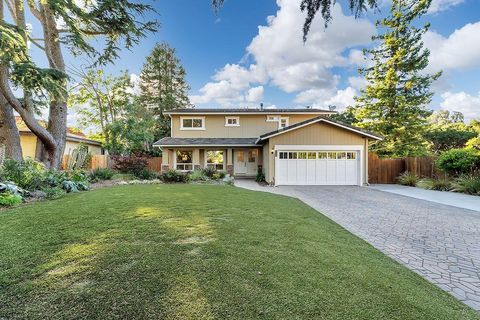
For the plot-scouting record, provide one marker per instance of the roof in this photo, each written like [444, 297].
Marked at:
[320, 119]
[205, 142]
[73, 135]
[248, 111]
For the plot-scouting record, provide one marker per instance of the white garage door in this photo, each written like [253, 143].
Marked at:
[317, 167]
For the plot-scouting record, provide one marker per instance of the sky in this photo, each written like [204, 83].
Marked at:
[251, 52]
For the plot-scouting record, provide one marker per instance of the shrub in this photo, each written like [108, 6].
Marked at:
[229, 180]
[441, 184]
[53, 193]
[101, 175]
[13, 189]
[129, 164]
[408, 179]
[467, 184]
[197, 175]
[209, 171]
[260, 176]
[8, 199]
[218, 175]
[27, 174]
[146, 174]
[172, 176]
[459, 161]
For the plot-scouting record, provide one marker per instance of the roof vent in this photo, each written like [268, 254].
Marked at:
[261, 106]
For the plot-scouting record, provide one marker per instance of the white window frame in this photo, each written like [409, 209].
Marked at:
[192, 118]
[237, 124]
[273, 118]
[176, 164]
[214, 165]
[280, 122]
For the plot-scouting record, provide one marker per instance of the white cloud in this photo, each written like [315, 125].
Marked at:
[282, 59]
[254, 94]
[342, 99]
[135, 82]
[461, 50]
[358, 83]
[442, 5]
[463, 102]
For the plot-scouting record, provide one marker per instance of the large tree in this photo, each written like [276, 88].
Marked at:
[163, 85]
[398, 91]
[64, 24]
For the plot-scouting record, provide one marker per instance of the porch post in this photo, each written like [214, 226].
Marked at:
[196, 159]
[230, 161]
[165, 160]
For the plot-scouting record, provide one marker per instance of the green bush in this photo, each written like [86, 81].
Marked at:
[27, 174]
[459, 161]
[8, 199]
[408, 179]
[209, 171]
[467, 184]
[53, 193]
[218, 175]
[197, 175]
[172, 176]
[145, 174]
[101, 175]
[441, 184]
[260, 176]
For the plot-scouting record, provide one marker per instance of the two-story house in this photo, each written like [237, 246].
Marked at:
[290, 146]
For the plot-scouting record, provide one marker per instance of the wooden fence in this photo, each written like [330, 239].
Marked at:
[104, 161]
[381, 170]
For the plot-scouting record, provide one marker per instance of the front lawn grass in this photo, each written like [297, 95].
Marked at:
[199, 252]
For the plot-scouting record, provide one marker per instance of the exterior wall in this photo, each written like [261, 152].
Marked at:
[251, 126]
[315, 134]
[93, 149]
[28, 142]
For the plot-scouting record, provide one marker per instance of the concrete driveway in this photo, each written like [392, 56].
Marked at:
[439, 242]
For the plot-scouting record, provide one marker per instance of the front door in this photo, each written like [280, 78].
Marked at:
[240, 165]
[246, 161]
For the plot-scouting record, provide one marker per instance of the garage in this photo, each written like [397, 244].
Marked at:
[317, 167]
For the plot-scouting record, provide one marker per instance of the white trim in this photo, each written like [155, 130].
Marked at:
[315, 121]
[224, 163]
[247, 113]
[175, 161]
[237, 118]
[192, 118]
[200, 146]
[280, 122]
[275, 119]
[358, 148]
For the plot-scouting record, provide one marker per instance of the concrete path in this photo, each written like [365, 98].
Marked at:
[439, 242]
[458, 200]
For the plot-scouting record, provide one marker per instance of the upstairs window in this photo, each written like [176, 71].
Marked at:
[192, 123]
[283, 123]
[272, 118]
[232, 121]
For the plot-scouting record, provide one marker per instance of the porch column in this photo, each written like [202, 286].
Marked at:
[230, 162]
[196, 159]
[166, 163]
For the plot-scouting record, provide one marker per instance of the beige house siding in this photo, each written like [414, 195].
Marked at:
[28, 142]
[315, 134]
[251, 126]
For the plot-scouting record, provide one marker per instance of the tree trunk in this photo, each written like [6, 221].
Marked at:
[9, 135]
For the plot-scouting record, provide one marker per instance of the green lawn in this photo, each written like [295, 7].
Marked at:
[199, 252]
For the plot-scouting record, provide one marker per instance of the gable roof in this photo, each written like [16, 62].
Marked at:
[247, 111]
[316, 120]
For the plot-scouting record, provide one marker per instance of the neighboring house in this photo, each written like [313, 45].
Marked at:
[29, 141]
[290, 146]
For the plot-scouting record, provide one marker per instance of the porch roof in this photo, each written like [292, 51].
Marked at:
[206, 142]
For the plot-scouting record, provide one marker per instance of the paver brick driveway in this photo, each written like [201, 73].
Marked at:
[440, 242]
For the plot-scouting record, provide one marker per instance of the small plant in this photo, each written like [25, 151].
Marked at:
[197, 175]
[408, 179]
[52, 193]
[8, 199]
[209, 171]
[260, 176]
[459, 161]
[101, 174]
[441, 184]
[218, 175]
[145, 174]
[172, 176]
[78, 158]
[229, 180]
[469, 184]
[27, 174]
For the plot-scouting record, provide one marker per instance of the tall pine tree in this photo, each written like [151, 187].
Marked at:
[395, 98]
[163, 85]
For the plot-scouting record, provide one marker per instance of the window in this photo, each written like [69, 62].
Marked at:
[322, 155]
[283, 155]
[252, 155]
[271, 118]
[312, 155]
[351, 155]
[302, 155]
[283, 123]
[341, 155]
[332, 155]
[292, 155]
[192, 123]
[240, 156]
[184, 160]
[215, 159]
[232, 121]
